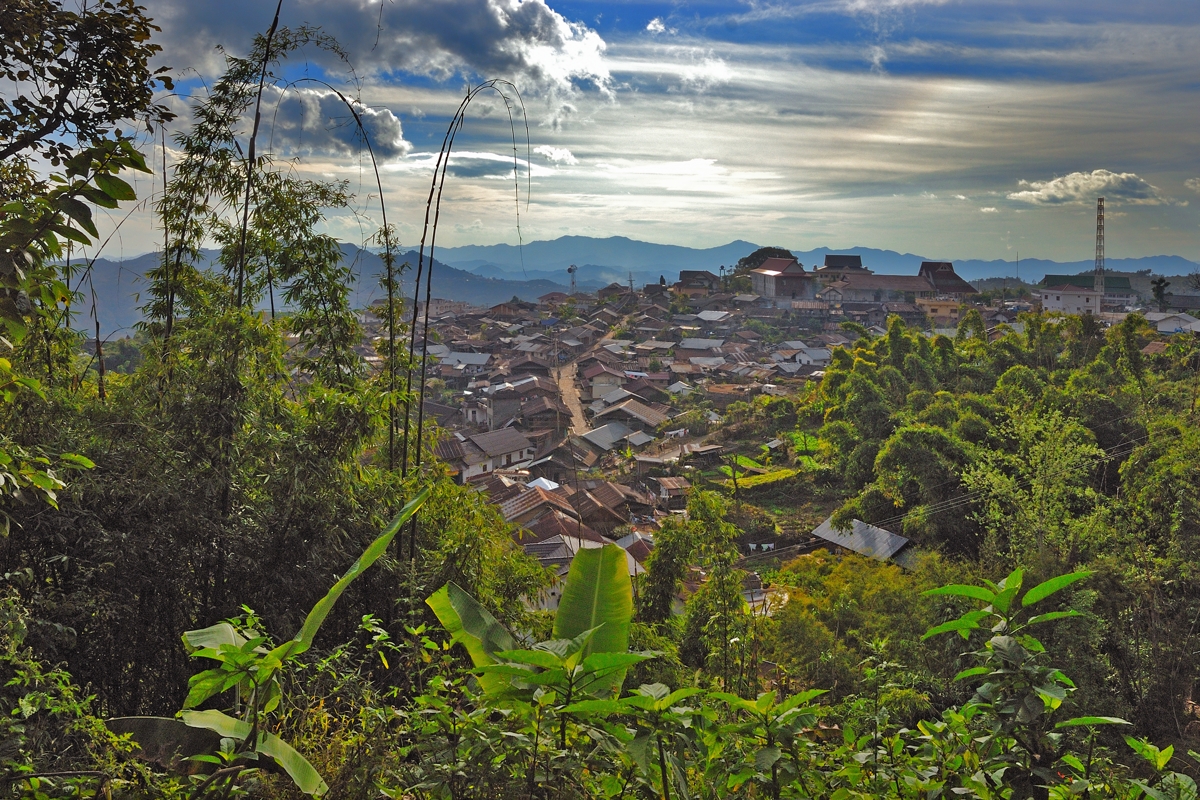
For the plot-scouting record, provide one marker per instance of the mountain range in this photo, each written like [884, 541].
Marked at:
[605, 260]
[489, 274]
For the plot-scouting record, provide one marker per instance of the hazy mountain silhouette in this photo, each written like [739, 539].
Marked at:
[489, 274]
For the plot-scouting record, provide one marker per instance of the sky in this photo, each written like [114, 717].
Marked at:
[953, 130]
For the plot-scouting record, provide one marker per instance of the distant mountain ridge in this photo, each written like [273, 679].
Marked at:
[120, 285]
[489, 274]
[614, 257]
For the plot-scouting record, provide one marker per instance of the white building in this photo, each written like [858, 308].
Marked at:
[1068, 299]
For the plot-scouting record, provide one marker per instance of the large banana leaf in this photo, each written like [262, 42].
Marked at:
[598, 594]
[306, 778]
[472, 626]
[213, 637]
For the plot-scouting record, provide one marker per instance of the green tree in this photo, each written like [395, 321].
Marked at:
[1158, 288]
[74, 76]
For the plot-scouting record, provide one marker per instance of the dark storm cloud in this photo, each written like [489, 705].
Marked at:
[522, 40]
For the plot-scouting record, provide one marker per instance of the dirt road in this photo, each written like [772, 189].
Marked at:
[565, 376]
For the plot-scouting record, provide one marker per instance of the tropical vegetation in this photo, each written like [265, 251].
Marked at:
[172, 623]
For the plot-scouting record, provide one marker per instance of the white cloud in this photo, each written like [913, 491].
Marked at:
[1193, 184]
[1085, 187]
[990, 210]
[317, 122]
[658, 26]
[960, 197]
[559, 155]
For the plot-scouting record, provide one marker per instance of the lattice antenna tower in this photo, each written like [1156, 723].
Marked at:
[572, 270]
[1099, 271]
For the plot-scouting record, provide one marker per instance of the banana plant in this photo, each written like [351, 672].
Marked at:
[590, 649]
[246, 665]
[588, 655]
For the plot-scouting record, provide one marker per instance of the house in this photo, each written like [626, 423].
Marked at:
[694, 282]
[609, 436]
[546, 412]
[713, 317]
[697, 348]
[867, 540]
[800, 353]
[1172, 323]
[1068, 298]
[565, 461]
[654, 345]
[1118, 292]
[638, 544]
[441, 412]
[945, 280]
[612, 290]
[533, 502]
[553, 299]
[781, 278]
[600, 379]
[837, 267]
[672, 492]
[596, 513]
[646, 389]
[467, 363]
[557, 523]
[529, 365]
[635, 414]
[606, 317]
[482, 453]
[864, 287]
[502, 402]
[942, 311]
[513, 309]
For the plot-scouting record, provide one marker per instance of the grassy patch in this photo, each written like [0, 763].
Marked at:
[803, 442]
[754, 481]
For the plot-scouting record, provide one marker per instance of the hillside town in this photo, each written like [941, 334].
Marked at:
[587, 417]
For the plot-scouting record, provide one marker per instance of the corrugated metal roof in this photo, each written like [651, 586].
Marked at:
[497, 443]
[530, 499]
[639, 411]
[606, 436]
[862, 538]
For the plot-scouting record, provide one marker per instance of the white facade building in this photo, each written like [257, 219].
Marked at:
[1068, 299]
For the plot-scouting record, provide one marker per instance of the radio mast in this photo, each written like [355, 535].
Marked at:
[572, 270]
[1098, 282]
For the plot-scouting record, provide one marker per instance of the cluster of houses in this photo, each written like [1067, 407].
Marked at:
[843, 288]
[563, 411]
[568, 413]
